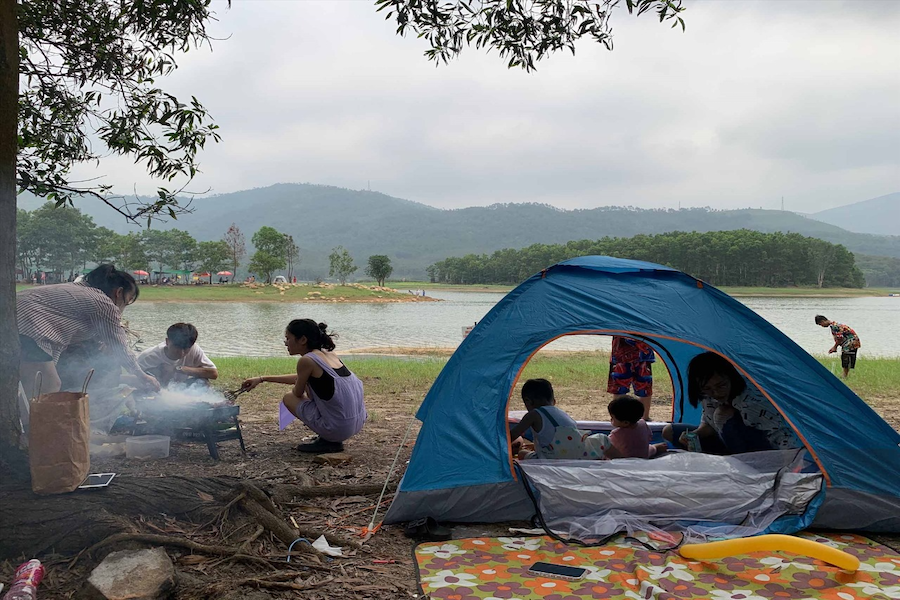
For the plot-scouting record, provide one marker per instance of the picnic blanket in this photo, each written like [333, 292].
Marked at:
[497, 568]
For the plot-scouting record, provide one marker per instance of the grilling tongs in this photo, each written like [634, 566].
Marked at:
[231, 395]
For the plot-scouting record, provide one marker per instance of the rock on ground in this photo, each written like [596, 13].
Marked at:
[335, 459]
[132, 575]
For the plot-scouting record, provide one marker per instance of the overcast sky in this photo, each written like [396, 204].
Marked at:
[755, 101]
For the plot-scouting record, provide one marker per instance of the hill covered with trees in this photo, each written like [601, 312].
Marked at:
[722, 258]
[415, 235]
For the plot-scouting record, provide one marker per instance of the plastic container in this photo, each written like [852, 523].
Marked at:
[693, 442]
[146, 447]
[116, 450]
[27, 578]
[107, 446]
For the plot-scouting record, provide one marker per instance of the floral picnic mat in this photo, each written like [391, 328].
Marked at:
[497, 568]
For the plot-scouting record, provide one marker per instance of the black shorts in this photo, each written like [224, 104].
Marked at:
[848, 360]
[31, 352]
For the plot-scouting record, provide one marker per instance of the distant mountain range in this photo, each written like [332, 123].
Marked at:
[415, 235]
[879, 215]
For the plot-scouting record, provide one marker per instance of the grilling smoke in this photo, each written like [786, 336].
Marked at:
[181, 394]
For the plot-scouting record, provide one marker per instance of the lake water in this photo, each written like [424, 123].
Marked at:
[256, 329]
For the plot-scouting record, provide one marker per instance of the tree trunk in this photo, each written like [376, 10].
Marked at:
[9, 348]
[68, 523]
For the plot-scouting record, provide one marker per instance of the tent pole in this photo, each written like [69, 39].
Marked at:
[391, 472]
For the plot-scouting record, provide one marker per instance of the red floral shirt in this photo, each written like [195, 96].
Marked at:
[845, 337]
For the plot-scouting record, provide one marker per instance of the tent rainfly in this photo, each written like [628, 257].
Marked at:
[846, 475]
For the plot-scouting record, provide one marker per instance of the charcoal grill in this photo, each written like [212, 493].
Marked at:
[212, 423]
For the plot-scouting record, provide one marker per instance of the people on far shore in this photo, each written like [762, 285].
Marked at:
[326, 396]
[845, 339]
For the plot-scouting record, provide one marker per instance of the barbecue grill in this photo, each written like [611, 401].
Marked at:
[209, 422]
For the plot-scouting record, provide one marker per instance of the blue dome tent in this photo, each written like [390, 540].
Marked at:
[461, 470]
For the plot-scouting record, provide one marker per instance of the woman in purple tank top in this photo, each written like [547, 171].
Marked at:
[326, 395]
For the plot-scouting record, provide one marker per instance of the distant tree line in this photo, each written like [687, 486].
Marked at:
[62, 241]
[724, 258]
[879, 271]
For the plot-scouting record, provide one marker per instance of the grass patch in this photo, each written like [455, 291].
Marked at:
[733, 291]
[872, 379]
[811, 292]
[381, 375]
[268, 293]
[582, 373]
[363, 292]
[405, 286]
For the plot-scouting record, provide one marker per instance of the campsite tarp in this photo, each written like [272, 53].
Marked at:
[461, 470]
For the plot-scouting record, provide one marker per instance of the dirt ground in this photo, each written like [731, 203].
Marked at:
[382, 569]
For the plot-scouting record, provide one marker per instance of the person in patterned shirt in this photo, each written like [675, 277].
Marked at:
[53, 318]
[846, 339]
[735, 417]
[631, 367]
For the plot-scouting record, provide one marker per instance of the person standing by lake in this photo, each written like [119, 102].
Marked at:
[631, 367]
[52, 318]
[326, 396]
[845, 338]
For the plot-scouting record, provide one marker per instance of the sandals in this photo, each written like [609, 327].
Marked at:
[427, 530]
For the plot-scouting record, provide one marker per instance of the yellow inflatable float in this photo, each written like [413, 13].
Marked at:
[770, 543]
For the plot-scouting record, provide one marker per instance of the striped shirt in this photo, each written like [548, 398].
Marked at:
[57, 316]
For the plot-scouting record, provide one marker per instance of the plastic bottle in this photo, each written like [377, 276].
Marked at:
[24, 586]
[693, 441]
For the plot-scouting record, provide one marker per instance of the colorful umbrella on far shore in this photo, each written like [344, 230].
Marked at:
[144, 273]
[225, 273]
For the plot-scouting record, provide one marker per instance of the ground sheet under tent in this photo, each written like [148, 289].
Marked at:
[497, 568]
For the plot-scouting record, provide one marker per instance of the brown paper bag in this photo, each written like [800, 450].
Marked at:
[59, 441]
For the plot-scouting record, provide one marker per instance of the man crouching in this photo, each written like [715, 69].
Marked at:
[178, 359]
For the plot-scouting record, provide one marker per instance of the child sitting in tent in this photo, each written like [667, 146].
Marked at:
[549, 423]
[735, 417]
[631, 436]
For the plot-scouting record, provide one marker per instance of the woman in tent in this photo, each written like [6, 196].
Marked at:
[735, 417]
[54, 317]
[326, 396]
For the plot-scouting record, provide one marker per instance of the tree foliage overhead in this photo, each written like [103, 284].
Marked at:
[726, 258]
[522, 31]
[88, 71]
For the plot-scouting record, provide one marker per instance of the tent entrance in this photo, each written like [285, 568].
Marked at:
[701, 495]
